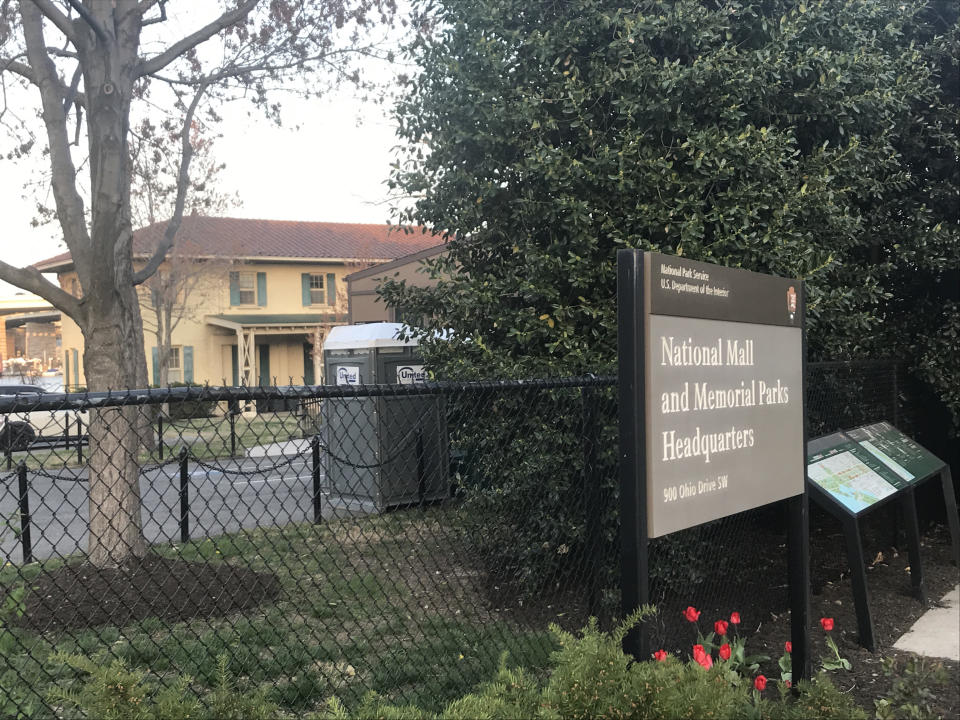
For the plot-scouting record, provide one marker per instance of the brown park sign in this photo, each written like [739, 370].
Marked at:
[723, 391]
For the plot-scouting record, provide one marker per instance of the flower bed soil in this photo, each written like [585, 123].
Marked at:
[764, 608]
[82, 596]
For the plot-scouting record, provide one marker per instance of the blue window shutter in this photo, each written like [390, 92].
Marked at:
[188, 363]
[262, 289]
[156, 366]
[305, 285]
[235, 362]
[234, 288]
[331, 289]
[308, 378]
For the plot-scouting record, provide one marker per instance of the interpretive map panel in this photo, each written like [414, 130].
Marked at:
[848, 478]
[896, 451]
[859, 468]
[724, 397]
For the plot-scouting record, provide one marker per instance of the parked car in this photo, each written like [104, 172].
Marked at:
[19, 429]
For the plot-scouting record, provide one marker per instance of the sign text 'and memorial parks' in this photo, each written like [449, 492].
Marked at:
[724, 400]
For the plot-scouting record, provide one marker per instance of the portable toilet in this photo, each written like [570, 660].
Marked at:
[385, 450]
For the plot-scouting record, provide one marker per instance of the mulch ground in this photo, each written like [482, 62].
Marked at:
[764, 607]
[82, 596]
[894, 610]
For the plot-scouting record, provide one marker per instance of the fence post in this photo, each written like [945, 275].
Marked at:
[233, 431]
[80, 439]
[8, 451]
[24, 513]
[315, 472]
[160, 435]
[184, 497]
[896, 395]
[592, 506]
[421, 471]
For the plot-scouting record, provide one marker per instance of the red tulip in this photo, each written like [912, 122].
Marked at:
[691, 614]
[724, 651]
[826, 624]
[660, 655]
[702, 657]
[720, 627]
[760, 683]
[734, 618]
[788, 646]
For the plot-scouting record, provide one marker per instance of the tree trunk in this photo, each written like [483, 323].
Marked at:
[111, 359]
[111, 323]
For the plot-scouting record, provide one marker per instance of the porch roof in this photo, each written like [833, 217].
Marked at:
[275, 322]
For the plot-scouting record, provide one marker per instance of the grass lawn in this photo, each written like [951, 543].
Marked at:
[383, 603]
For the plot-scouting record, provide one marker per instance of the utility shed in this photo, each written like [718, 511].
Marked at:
[388, 450]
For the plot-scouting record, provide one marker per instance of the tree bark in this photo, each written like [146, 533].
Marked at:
[111, 323]
[116, 535]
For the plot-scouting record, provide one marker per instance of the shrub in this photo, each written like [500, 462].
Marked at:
[112, 691]
[188, 409]
[592, 678]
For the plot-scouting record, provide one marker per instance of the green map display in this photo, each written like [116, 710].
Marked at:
[851, 475]
[896, 451]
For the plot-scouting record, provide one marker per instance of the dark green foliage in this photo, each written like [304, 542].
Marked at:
[807, 140]
[108, 689]
[523, 490]
[813, 140]
[188, 409]
[914, 691]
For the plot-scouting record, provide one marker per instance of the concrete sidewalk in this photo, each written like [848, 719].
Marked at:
[937, 632]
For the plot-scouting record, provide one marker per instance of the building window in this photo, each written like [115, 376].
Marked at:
[317, 295]
[175, 371]
[407, 317]
[247, 288]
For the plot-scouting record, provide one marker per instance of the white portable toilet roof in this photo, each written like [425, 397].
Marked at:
[369, 335]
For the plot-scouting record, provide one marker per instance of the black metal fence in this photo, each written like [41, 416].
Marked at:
[387, 538]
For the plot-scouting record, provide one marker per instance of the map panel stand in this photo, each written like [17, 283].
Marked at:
[853, 473]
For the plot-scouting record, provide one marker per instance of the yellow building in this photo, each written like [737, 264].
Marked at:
[253, 300]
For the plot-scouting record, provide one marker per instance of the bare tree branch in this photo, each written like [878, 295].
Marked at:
[61, 52]
[89, 20]
[33, 280]
[63, 172]
[54, 15]
[146, 5]
[21, 69]
[158, 62]
[72, 91]
[25, 71]
[183, 182]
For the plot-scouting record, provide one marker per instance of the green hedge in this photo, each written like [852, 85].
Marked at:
[187, 409]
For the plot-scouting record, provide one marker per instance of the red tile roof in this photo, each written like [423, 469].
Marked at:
[201, 236]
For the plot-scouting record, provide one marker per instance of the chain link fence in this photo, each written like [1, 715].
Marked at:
[344, 539]
[387, 538]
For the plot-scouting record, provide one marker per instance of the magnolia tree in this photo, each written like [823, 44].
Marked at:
[92, 69]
